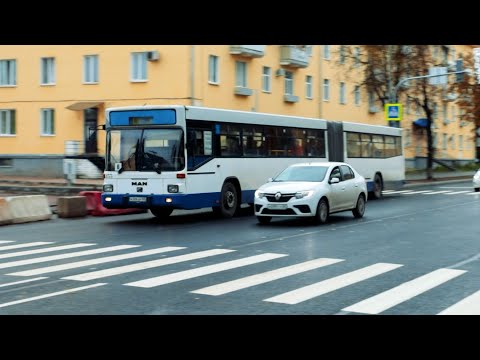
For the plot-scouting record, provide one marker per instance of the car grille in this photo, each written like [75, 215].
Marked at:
[278, 212]
[283, 198]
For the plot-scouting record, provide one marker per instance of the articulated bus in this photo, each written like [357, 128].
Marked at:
[185, 157]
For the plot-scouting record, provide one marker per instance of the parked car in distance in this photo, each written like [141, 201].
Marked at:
[476, 181]
[314, 190]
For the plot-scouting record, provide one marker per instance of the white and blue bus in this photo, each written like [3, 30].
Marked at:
[185, 157]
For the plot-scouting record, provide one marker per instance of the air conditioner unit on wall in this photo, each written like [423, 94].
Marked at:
[153, 55]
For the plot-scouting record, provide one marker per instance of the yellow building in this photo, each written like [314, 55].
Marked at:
[53, 97]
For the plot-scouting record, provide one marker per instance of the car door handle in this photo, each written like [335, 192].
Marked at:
[356, 185]
[343, 188]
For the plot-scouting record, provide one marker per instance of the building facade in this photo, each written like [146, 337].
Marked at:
[53, 97]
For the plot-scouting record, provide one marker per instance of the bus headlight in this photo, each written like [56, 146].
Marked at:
[259, 194]
[108, 188]
[172, 188]
[302, 194]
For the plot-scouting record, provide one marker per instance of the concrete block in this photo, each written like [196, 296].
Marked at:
[29, 208]
[71, 206]
[5, 215]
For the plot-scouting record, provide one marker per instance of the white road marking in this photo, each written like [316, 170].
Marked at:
[74, 265]
[437, 192]
[50, 295]
[468, 306]
[146, 265]
[458, 192]
[418, 192]
[22, 281]
[10, 247]
[210, 269]
[65, 256]
[308, 292]
[399, 192]
[234, 285]
[44, 250]
[474, 193]
[387, 299]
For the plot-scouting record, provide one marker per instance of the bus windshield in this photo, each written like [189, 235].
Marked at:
[145, 150]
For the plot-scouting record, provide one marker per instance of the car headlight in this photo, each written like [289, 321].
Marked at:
[108, 188]
[302, 194]
[476, 176]
[259, 194]
[172, 188]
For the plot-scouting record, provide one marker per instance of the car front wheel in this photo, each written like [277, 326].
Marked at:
[322, 211]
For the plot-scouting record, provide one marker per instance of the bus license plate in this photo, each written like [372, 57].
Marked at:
[277, 206]
[137, 199]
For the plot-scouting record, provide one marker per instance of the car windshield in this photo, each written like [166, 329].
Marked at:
[303, 173]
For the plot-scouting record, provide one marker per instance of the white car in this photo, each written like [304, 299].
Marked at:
[476, 181]
[315, 190]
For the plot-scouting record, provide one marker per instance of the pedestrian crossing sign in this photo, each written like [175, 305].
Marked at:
[393, 112]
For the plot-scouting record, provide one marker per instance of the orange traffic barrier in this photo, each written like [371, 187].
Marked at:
[95, 207]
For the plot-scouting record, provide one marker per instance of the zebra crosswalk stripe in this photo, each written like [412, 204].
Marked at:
[18, 246]
[387, 299]
[468, 306]
[74, 265]
[310, 291]
[234, 285]
[65, 256]
[44, 250]
[146, 265]
[6, 241]
[210, 269]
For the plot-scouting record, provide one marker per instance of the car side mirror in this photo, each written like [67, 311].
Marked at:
[270, 179]
[334, 181]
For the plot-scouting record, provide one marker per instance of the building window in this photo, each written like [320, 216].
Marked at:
[326, 89]
[90, 69]
[48, 122]
[240, 73]
[357, 95]
[454, 114]
[434, 140]
[357, 56]
[343, 91]
[460, 142]
[266, 79]
[343, 54]
[445, 138]
[288, 83]
[8, 72]
[213, 69]
[371, 99]
[444, 111]
[326, 52]
[48, 71]
[308, 87]
[139, 66]
[7, 122]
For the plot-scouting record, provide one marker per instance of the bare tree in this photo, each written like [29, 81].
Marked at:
[386, 65]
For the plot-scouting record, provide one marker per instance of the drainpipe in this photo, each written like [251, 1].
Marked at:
[192, 75]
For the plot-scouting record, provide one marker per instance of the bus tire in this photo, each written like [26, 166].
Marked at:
[228, 201]
[161, 212]
[322, 211]
[377, 192]
[359, 209]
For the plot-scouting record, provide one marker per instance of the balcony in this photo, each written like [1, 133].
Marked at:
[243, 91]
[293, 56]
[248, 50]
[290, 98]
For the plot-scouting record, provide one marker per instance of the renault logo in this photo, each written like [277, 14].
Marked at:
[278, 196]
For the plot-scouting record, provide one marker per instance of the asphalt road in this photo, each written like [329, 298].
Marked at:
[414, 252]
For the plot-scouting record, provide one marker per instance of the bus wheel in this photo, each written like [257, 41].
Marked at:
[377, 187]
[322, 211]
[228, 201]
[161, 212]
